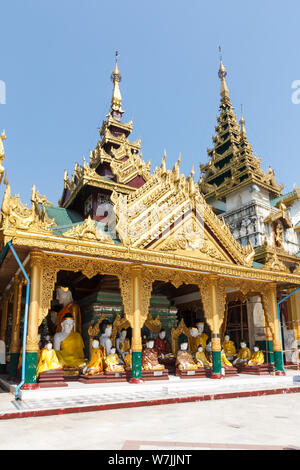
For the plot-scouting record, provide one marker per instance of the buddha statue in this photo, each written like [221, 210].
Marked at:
[184, 359]
[150, 357]
[202, 337]
[128, 360]
[105, 340]
[257, 357]
[112, 362]
[201, 358]
[95, 364]
[69, 345]
[122, 344]
[229, 348]
[48, 360]
[244, 355]
[193, 340]
[65, 300]
[208, 352]
[162, 345]
[224, 360]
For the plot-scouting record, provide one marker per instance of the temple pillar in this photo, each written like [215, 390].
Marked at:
[136, 287]
[213, 297]
[32, 347]
[3, 327]
[269, 299]
[15, 333]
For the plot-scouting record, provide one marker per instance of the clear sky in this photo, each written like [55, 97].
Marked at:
[57, 57]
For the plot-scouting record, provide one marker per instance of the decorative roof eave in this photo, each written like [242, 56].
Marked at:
[98, 182]
[279, 215]
[120, 254]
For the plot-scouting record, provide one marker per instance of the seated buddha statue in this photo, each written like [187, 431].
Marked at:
[65, 300]
[122, 344]
[201, 358]
[150, 357]
[128, 360]
[208, 352]
[105, 339]
[224, 360]
[68, 344]
[202, 337]
[162, 345]
[244, 355]
[229, 348]
[95, 364]
[257, 357]
[193, 340]
[112, 362]
[184, 358]
[48, 360]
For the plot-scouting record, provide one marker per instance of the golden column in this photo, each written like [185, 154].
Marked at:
[269, 298]
[136, 288]
[4, 316]
[213, 297]
[15, 332]
[32, 347]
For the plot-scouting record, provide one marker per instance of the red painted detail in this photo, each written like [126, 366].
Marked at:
[136, 381]
[217, 376]
[84, 409]
[34, 386]
[136, 182]
[279, 372]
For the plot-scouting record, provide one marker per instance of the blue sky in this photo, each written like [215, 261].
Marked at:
[57, 57]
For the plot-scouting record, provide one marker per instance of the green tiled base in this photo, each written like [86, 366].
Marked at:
[30, 368]
[136, 365]
[278, 360]
[13, 364]
[217, 366]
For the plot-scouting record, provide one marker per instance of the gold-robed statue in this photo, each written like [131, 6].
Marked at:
[48, 360]
[95, 364]
[257, 358]
[244, 355]
[201, 359]
[112, 362]
[184, 359]
[229, 348]
[150, 358]
[68, 344]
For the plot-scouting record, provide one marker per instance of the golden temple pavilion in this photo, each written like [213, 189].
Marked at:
[142, 251]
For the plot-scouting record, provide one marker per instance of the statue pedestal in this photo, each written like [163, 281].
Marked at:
[263, 369]
[199, 373]
[230, 371]
[155, 374]
[52, 378]
[71, 374]
[103, 377]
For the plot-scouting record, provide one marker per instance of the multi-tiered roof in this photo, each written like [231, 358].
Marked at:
[232, 163]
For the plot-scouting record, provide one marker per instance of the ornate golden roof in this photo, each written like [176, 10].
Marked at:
[232, 163]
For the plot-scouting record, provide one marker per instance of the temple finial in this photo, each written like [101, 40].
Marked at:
[116, 101]
[242, 123]
[2, 154]
[222, 74]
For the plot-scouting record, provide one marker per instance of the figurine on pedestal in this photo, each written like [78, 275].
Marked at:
[150, 358]
[162, 345]
[257, 357]
[184, 359]
[122, 344]
[105, 340]
[95, 364]
[68, 344]
[201, 358]
[229, 348]
[244, 355]
[224, 360]
[112, 362]
[48, 360]
[202, 337]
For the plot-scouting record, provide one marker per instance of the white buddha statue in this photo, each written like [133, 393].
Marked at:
[105, 340]
[68, 344]
[122, 344]
[244, 355]
[229, 348]
[202, 337]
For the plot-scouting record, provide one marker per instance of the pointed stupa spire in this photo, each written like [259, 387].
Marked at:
[242, 123]
[224, 92]
[116, 100]
[163, 163]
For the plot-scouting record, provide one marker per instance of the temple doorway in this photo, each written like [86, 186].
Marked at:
[236, 322]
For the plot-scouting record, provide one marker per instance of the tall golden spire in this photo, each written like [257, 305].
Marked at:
[2, 154]
[242, 123]
[116, 101]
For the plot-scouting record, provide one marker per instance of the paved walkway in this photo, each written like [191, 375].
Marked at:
[263, 422]
[78, 397]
